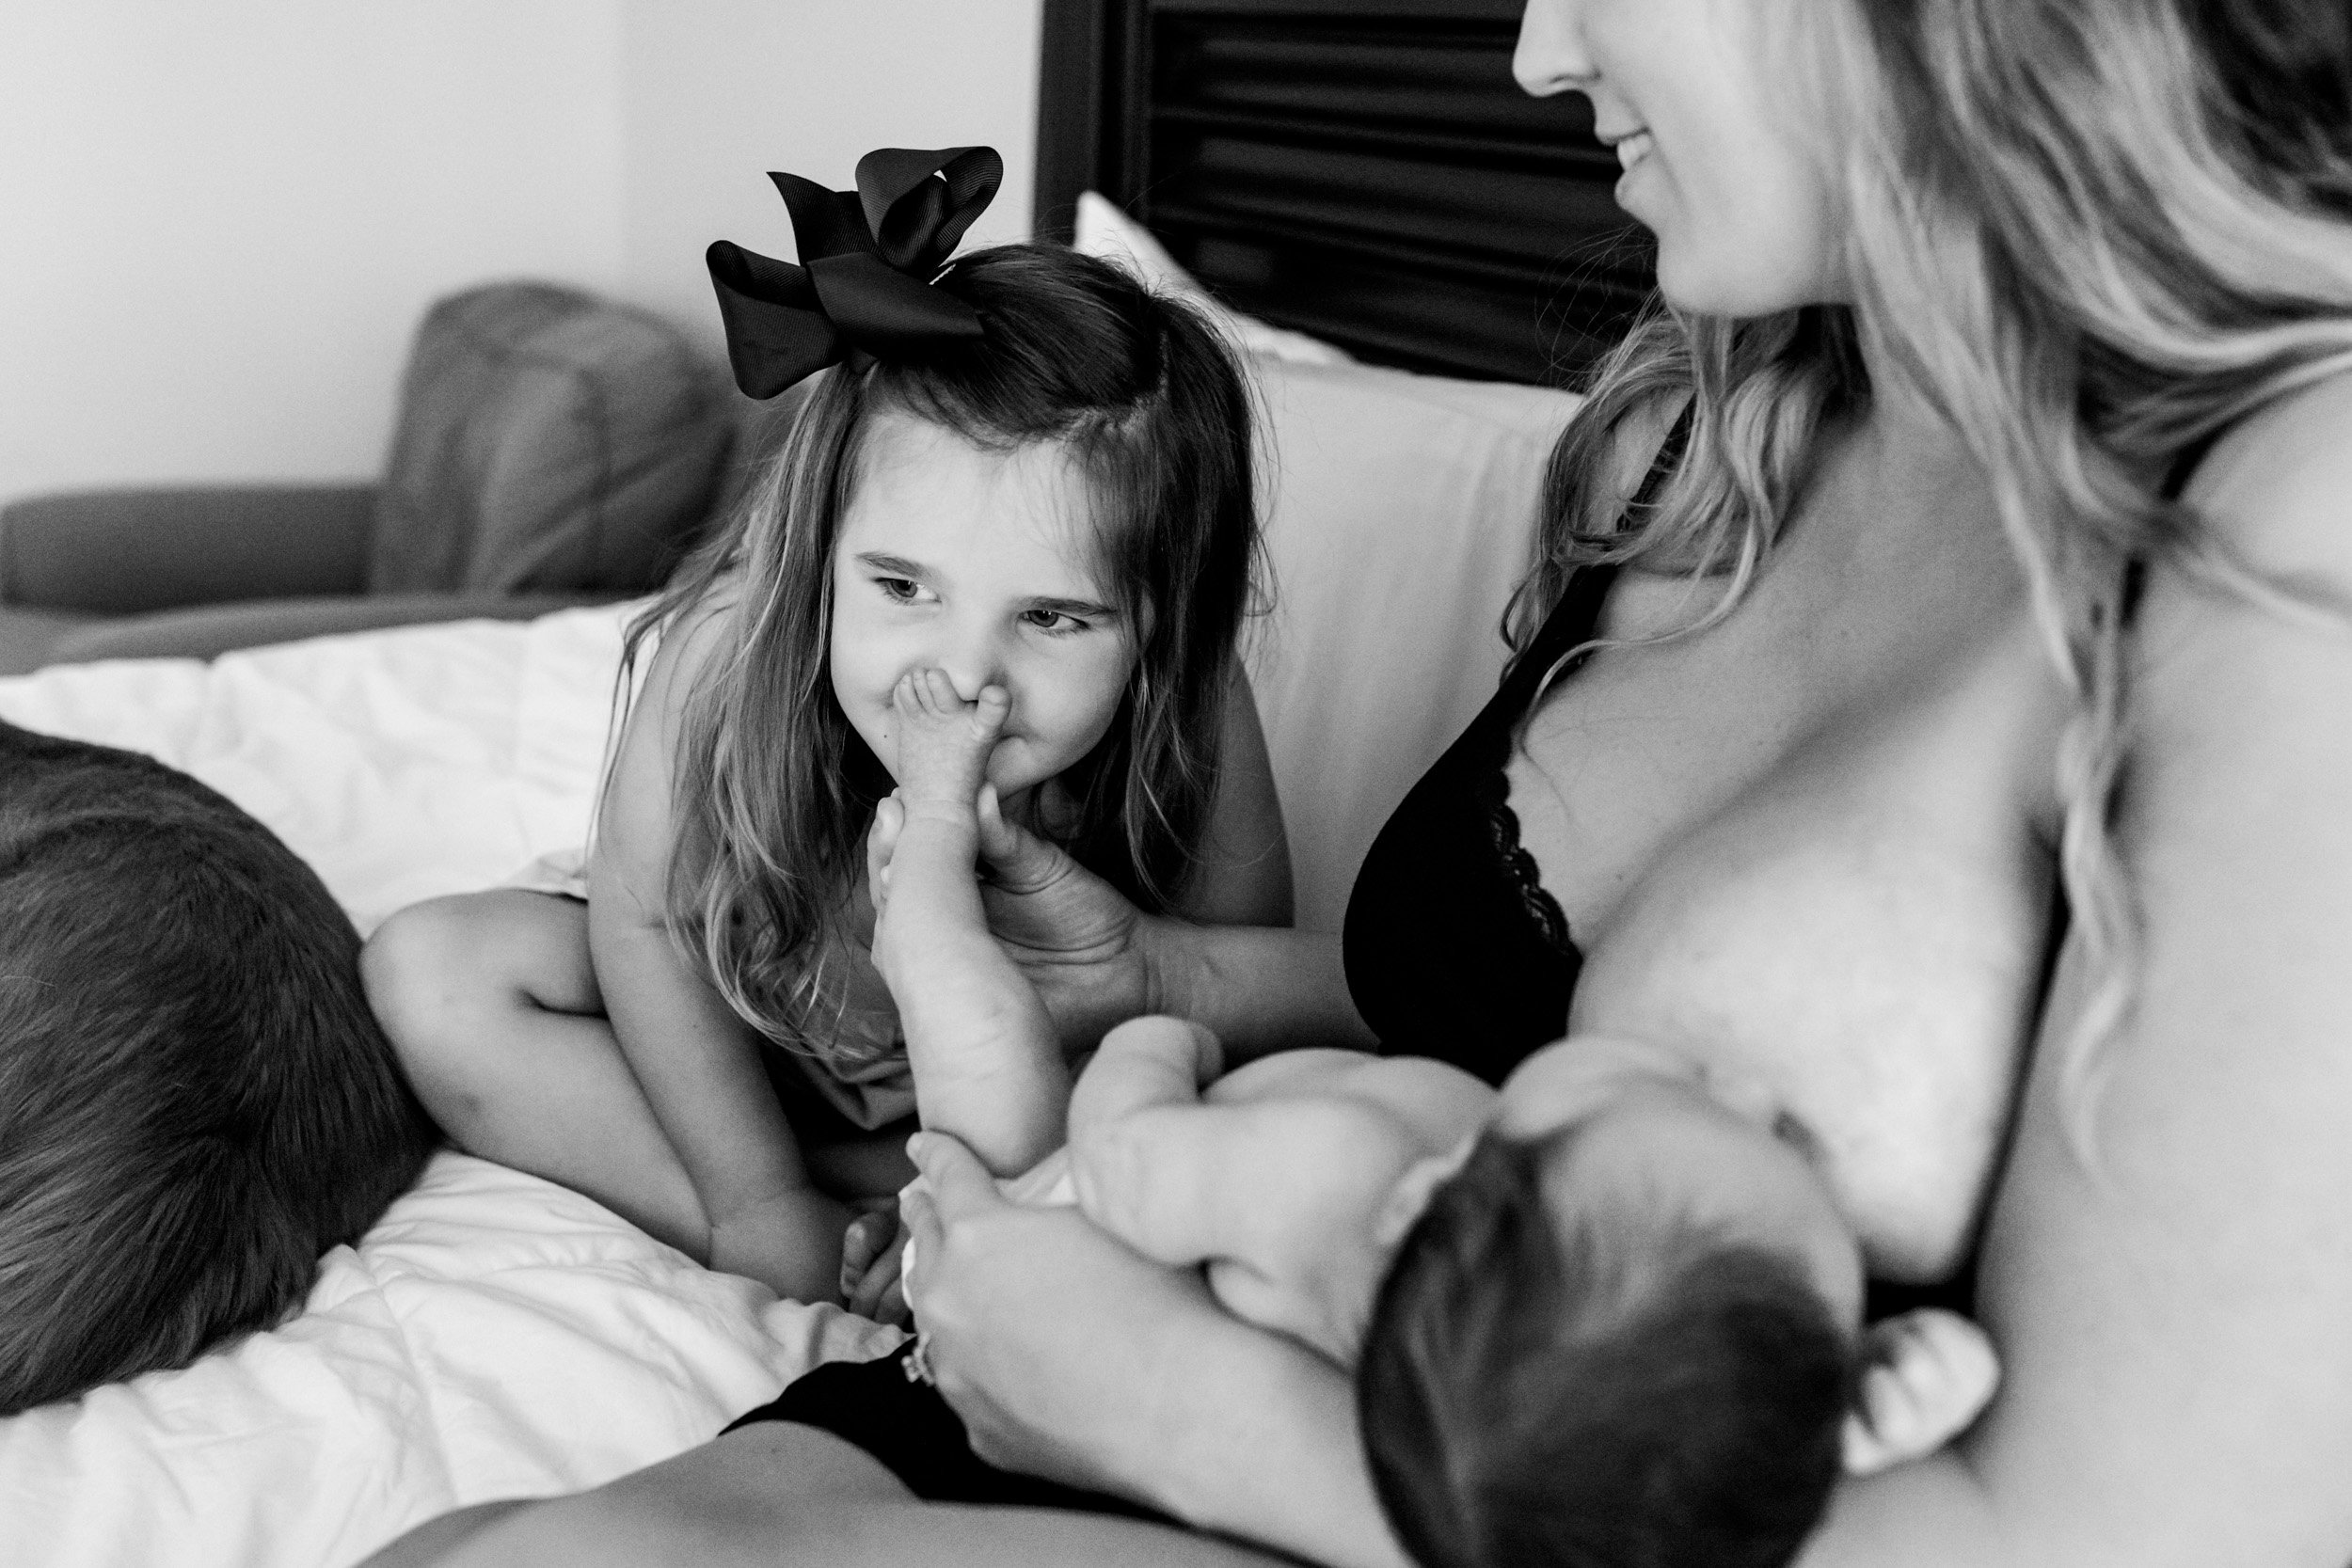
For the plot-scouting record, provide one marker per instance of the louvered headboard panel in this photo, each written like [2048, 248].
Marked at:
[1364, 170]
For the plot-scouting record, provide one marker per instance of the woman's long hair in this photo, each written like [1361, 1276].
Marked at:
[772, 789]
[2091, 234]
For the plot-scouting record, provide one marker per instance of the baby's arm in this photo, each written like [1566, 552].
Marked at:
[1279, 1184]
[988, 1066]
[697, 1062]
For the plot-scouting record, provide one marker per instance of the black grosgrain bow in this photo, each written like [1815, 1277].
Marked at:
[867, 259]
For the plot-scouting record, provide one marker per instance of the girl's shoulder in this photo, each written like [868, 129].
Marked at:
[690, 635]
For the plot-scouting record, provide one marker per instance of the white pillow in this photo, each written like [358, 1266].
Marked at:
[1402, 514]
[1103, 230]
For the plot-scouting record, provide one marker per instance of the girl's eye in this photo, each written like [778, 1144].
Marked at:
[899, 590]
[1054, 622]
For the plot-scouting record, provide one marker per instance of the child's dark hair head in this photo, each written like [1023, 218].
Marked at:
[772, 785]
[1613, 1389]
[195, 1100]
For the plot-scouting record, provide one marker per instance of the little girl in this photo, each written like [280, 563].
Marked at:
[1019, 558]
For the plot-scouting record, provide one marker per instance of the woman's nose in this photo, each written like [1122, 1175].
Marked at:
[1550, 58]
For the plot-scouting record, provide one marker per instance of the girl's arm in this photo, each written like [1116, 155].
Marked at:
[2174, 1311]
[1244, 875]
[697, 1062]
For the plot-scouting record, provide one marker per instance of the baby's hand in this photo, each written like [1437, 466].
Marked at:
[1926, 1374]
[944, 742]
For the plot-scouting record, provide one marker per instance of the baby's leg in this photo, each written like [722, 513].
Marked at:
[987, 1064]
[492, 1003]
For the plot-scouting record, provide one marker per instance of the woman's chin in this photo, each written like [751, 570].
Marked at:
[1710, 286]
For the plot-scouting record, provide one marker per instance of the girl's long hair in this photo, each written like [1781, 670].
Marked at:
[2091, 234]
[771, 790]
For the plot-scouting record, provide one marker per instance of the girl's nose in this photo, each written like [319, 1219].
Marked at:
[1551, 57]
[974, 660]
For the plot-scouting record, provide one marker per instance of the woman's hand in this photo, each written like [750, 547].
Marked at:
[1090, 953]
[1071, 1357]
[1040, 1326]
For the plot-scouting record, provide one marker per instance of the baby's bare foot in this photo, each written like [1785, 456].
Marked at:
[943, 741]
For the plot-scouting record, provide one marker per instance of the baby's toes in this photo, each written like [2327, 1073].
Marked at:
[991, 710]
[939, 697]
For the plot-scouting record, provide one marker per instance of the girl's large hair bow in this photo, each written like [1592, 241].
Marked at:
[868, 260]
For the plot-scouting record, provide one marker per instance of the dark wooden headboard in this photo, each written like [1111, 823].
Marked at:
[1364, 170]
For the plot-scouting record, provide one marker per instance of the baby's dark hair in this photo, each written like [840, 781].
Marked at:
[773, 788]
[195, 1100]
[1640, 1391]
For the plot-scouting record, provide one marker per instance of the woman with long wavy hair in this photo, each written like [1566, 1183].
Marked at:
[1952, 726]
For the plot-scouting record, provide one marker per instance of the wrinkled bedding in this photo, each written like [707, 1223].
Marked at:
[494, 1335]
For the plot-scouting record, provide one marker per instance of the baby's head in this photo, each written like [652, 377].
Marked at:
[1628, 1330]
[195, 1101]
[1062, 507]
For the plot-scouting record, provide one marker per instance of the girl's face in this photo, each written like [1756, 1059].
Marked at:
[1697, 100]
[982, 564]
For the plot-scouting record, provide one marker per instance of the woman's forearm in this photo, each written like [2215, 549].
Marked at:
[1258, 1439]
[1071, 1356]
[1262, 989]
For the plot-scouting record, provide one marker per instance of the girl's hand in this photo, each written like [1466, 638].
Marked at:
[1088, 952]
[870, 1255]
[1045, 1334]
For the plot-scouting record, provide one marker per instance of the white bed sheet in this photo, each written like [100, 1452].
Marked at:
[494, 1335]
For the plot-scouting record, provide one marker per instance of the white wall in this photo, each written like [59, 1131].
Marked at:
[717, 92]
[221, 222]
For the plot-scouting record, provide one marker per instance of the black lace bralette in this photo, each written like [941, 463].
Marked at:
[1454, 947]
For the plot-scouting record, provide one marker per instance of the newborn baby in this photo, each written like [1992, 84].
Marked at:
[1612, 1310]
[1603, 1305]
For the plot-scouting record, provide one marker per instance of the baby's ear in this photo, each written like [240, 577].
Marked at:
[1926, 1375]
[1413, 1191]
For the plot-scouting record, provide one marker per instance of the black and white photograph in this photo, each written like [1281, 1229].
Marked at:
[1068, 784]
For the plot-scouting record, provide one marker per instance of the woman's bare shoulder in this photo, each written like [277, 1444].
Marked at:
[2277, 486]
[2167, 1237]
